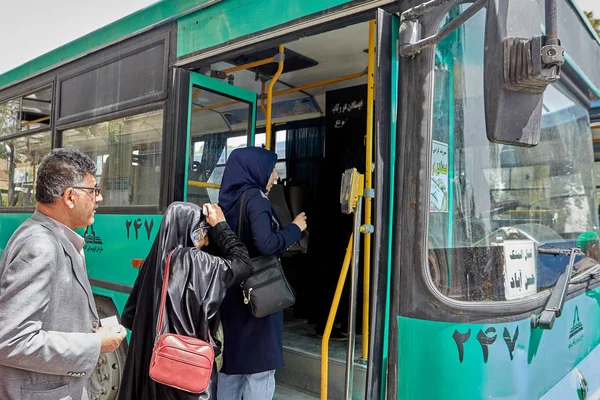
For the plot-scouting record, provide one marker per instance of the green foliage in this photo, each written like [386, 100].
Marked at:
[594, 21]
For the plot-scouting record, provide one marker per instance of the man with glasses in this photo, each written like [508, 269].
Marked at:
[50, 338]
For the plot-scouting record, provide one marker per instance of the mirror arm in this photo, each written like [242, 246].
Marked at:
[410, 42]
[551, 23]
[553, 308]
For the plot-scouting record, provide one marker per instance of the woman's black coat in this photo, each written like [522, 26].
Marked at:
[197, 285]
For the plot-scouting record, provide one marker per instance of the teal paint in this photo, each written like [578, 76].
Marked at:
[393, 139]
[232, 19]
[114, 240]
[431, 369]
[153, 15]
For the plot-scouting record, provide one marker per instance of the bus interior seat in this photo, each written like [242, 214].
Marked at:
[279, 195]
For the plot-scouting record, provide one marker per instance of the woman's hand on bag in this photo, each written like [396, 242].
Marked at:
[215, 214]
[300, 220]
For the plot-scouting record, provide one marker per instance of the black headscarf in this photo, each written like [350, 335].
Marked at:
[198, 282]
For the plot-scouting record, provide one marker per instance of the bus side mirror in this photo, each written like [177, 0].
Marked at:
[518, 66]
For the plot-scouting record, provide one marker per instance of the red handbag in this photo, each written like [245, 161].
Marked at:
[179, 361]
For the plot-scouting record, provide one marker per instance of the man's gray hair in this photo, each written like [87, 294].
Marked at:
[60, 170]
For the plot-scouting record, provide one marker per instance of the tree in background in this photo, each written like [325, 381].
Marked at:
[594, 21]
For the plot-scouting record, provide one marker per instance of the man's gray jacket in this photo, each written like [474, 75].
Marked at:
[48, 347]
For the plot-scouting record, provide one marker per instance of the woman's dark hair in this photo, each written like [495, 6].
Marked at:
[60, 170]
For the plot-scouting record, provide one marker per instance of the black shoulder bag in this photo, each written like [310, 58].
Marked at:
[267, 290]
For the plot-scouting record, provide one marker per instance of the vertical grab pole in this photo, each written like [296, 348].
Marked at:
[331, 319]
[368, 185]
[353, 297]
[280, 59]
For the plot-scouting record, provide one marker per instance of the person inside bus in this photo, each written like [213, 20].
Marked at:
[588, 243]
[253, 346]
[197, 285]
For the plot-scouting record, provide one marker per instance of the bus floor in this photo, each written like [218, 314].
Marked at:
[301, 377]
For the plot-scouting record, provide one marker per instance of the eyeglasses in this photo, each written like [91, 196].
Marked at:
[96, 189]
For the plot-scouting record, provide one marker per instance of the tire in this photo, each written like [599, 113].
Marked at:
[106, 378]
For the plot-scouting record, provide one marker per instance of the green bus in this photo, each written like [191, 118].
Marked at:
[476, 279]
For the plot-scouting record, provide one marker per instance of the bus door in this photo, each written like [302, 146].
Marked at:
[221, 118]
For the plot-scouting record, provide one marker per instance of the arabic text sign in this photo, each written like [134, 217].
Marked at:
[520, 275]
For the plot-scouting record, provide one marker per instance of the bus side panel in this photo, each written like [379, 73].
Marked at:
[8, 225]
[113, 242]
[498, 360]
[232, 19]
[586, 375]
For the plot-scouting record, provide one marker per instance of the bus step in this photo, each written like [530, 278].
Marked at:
[303, 372]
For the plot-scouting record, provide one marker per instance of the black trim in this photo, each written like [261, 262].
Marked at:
[112, 116]
[174, 148]
[381, 203]
[110, 285]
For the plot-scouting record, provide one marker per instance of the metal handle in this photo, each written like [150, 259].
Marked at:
[353, 298]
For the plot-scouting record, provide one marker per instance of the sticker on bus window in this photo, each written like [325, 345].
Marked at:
[438, 201]
[520, 274]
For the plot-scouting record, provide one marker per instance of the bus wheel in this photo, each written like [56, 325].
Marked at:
[106, 378]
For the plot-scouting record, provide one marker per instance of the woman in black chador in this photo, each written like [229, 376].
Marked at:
[198, 282]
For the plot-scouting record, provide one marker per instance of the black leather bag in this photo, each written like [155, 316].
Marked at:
[267, 290]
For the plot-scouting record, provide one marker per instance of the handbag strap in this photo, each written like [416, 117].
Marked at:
[241, 216]
[163, 294]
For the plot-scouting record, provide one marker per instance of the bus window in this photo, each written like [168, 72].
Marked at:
[24, 140]
[280, 140]
[492, 205]
[19, 160]
[128, 155]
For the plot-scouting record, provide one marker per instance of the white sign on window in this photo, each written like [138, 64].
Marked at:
[438, 201]
[520, 274]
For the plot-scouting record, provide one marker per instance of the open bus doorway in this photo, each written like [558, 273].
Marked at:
[319, 119]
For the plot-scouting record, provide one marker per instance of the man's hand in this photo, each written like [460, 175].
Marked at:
[111, 337]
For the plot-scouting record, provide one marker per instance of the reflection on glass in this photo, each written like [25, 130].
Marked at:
[218, 126]
[27, 113]
[491, 205]
[19, 161]
[127, 152]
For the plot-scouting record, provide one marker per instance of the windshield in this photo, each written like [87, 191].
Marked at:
[492, 206]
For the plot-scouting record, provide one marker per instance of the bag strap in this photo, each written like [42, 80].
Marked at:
[163, 294]
[241, 217]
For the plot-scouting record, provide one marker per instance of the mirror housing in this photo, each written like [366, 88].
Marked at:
[519, 65]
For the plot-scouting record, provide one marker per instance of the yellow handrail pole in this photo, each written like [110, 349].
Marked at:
[270, 98]
[262, 100]
[195, 93]
[368, 185]
[249, 65]
[204, 185]
[322, 83]
[227, 103]
[331, 319]
[35, 121]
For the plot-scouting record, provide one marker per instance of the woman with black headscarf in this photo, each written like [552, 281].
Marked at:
[197, 285]
[253, 346]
